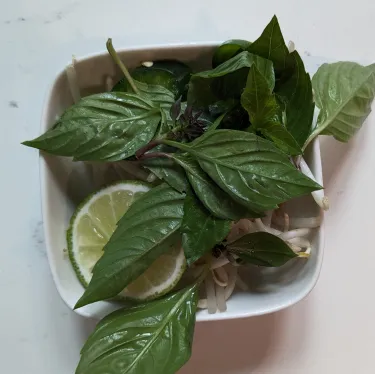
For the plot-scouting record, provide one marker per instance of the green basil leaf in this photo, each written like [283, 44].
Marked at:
[262, 249]
[201, 231]
[227, 50]
[139, 239]
[155, 337]
[168, 171]
[227, 80]
[344, 92]
[296, 92]
[293, 84]
[250, 169]
[102, 127]
[265, 113]
[218, 202]
[271, 45]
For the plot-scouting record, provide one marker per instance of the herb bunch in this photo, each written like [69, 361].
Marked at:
[212, 170]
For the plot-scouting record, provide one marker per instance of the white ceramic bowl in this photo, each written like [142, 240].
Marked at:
[65, 183]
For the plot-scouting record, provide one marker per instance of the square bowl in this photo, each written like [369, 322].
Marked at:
[65, 183]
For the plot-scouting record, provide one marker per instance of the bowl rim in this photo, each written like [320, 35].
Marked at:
[44, 181]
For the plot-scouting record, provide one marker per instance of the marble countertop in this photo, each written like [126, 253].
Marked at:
[331, 331]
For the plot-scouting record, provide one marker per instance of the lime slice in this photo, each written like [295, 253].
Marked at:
[92, 225]
[159, 278]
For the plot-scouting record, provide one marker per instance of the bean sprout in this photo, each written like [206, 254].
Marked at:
[240, 228]
[216, 294]
[286, 222]
[71, 75]
[220, 298]
[318, 196]
[261, 227]
[300, 241]
[211, 295]
[295, 233]
[219, 262]
[268, 218]
[220, 276]
[232, 277]
[108, 83]
[294, 247]
[300, 222]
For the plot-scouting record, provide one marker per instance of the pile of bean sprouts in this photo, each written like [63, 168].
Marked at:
[222, 277]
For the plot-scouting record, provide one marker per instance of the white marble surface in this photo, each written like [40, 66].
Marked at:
[332, 331]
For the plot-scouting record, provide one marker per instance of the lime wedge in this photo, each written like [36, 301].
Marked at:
[93, 223]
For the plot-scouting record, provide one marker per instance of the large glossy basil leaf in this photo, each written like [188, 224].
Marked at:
[227, 50]
[262, 249]
[271, 45]
[168, 171]
[344, 92]
[201, 231]
[139, 239]
[209, 193]
[265, 113]
[293, 84]
[296, 92]
[102, 127]
[227, 80]
[250, 169]
[155, 337]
